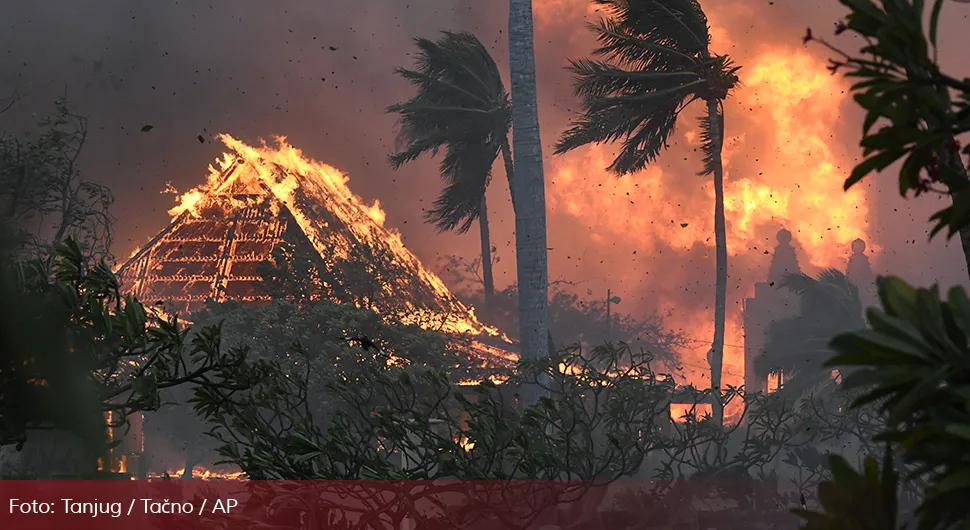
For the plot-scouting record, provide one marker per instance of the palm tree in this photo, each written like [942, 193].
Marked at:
[797, 347]
[461, 106]
[653, 61]
[530, 195]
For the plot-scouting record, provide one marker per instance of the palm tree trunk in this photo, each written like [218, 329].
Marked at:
[510, 175]
[486, 258]
[530, 198]
[716, 356]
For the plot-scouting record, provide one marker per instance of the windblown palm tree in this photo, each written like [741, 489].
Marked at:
[530, 199]
[797, 347]
[461, 106]
[653, 61]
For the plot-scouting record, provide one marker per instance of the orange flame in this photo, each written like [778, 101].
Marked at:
[200, 473]
[782, 169]
[284, 171]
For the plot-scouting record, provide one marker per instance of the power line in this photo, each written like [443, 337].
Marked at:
[698, 341]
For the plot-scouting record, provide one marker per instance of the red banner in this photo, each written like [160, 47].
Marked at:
[378, 505]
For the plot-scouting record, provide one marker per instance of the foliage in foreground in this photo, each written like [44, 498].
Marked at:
[607, 416]
[914, 362]
[43, 196]
[75, 349]
[914, 111]
[392, 422]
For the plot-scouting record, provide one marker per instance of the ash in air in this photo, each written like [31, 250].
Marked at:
[626, 246]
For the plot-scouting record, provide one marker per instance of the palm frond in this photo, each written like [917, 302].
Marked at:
[638, 51]
[681, 24]
[599, 79]
[644, 134]
[652, 61]
[466, 170]
[799, 345]
[460, 107]
[798, 283]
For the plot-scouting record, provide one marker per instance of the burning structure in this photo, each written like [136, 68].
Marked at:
[270, 205]
[269, 223]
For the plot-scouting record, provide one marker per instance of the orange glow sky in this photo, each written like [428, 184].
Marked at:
[192, 68]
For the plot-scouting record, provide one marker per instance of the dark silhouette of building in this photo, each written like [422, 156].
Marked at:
[772, 302]
[860, 273]
[769, 303]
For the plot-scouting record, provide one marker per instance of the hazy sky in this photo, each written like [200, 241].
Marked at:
[258, 69]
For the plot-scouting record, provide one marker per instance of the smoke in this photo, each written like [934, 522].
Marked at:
[320, 72]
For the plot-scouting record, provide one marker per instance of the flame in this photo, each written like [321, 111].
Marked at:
[465, 443]
[803, 101]
[200, 473]
[497, 379]
[782, 169]
[681, 412]
[284, 171]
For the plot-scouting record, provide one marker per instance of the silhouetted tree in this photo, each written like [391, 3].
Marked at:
[532, 267]
[798, 347]
[75, 350]
[461, 106]
[654, 61]
[43, 197]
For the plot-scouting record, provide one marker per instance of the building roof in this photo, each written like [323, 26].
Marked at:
[270, 201]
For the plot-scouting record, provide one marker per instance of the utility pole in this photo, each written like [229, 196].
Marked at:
[610, 299]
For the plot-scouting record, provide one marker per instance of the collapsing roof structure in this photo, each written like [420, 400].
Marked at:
[265, 204]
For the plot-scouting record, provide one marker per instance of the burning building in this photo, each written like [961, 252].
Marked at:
[264, 204]
[265, 207]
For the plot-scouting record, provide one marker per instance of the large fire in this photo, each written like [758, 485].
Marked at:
[650, 235]
[295, 181]
[783, 168]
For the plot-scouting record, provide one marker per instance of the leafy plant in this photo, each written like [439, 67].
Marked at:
[914, 363]
[43, 195]
[914, 111]
[856, 501]
[798, 346]
[387, 421]
[76, 351]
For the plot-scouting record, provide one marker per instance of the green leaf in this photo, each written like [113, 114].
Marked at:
[935, 20]
[961, 430]
[841, 470]
[898, 297]
[873, 163]
[954, 481]
[146, 387]
[959, 305]
[871, 348]
[146, 128]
